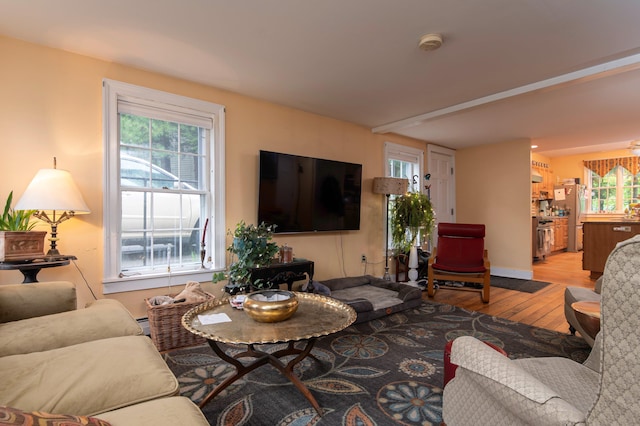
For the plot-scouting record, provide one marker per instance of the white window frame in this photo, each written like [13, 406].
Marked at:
[394, 151]
[619, 211]
[113, 281]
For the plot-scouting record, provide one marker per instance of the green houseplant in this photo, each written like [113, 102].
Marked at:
[15, 220]
[410, 214]
[251, 247]
[17, 240]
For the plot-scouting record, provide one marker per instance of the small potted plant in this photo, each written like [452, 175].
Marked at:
[17, 240]
[251, 247]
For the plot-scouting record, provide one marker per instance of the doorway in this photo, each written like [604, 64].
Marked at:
[441, 184]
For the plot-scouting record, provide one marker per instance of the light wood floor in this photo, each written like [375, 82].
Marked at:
[544, 308]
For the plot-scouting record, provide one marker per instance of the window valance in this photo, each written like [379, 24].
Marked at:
[604, 166]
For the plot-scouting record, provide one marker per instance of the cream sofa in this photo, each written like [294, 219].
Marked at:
[94, 361]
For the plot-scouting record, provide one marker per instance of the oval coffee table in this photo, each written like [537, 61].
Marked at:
[316, 316]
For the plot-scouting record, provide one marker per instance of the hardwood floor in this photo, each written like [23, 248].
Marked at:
[544, 308]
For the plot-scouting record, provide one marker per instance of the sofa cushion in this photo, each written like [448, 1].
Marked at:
[173, 411]
[88, 378]
[13, 416]
[102, 319]
[20, 301]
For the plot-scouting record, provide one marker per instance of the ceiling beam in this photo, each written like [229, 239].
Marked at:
[606, 69]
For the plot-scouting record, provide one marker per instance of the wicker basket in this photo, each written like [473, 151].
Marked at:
[165, 325]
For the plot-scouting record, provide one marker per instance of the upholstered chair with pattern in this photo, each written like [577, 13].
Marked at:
[489, 388]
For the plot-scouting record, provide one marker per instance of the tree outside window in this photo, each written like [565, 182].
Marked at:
[613, 192]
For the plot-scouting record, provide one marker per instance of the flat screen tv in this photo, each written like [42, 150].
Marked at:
[303, 194]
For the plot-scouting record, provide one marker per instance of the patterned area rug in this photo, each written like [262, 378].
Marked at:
[381, 372]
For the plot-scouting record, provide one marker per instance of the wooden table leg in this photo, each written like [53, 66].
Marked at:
[261, 358]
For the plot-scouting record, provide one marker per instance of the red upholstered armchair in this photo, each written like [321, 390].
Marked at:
[460, 256]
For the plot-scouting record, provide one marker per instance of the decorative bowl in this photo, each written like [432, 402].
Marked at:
[270, 305]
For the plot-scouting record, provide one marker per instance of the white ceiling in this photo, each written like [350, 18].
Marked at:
[358, 60]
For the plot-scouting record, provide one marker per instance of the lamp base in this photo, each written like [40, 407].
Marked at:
[54, 254]
[386, 276]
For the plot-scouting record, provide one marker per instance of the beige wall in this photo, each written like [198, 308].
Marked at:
[51, 105]
[494, 187]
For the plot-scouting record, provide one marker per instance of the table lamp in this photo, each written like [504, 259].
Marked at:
[388, 186]
[54, 191]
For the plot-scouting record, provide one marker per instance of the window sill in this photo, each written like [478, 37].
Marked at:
[134, 283]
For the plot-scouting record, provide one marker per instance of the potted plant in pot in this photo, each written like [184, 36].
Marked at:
[17, 240]
[410, 215]
[251, 247]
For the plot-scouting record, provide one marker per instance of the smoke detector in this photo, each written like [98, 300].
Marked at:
[430, 42]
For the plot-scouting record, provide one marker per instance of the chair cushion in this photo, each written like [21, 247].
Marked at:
[467, 230]
[13, 416]
[460, 248]
[88, 378]
[459, 269]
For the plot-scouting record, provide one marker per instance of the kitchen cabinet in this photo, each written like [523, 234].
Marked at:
[600, 238]
[560, 233]
[547, 183]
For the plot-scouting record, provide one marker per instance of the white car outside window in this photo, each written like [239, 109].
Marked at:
[156, 217]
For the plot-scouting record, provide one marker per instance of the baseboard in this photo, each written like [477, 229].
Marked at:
[512, 273]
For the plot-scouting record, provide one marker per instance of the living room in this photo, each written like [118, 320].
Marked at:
[65, 91]
[52, 106]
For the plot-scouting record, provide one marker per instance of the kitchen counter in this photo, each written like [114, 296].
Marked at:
[601, 237]
[615, 221]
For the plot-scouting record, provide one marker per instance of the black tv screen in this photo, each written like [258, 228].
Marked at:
[303, 194]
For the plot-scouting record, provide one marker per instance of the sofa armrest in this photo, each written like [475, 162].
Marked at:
[21, 301]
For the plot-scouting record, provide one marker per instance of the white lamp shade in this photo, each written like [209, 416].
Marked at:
[390, 185]
[53, 189]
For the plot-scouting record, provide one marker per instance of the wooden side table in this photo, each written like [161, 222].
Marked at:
[31, 268]
[588, 315]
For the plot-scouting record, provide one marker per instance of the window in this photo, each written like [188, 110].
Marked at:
[403, 162]
[164, 198]
[613, 192]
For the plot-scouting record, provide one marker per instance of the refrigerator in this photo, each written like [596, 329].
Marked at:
[570, 198]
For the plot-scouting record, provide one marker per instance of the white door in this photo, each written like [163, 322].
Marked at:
[442, 182]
